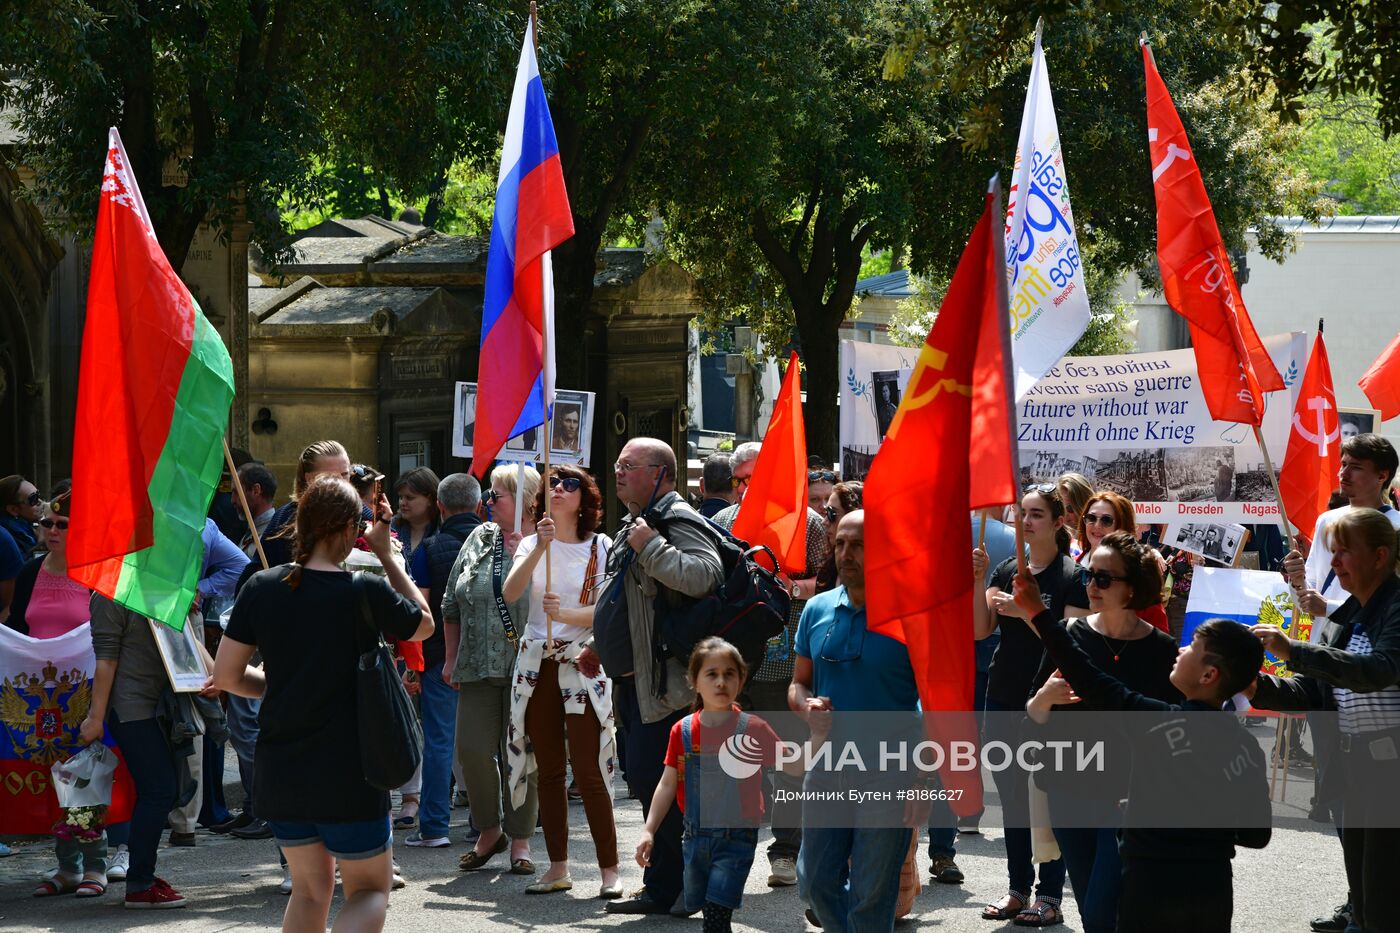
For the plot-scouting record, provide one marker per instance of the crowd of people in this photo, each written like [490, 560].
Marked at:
[489, 602]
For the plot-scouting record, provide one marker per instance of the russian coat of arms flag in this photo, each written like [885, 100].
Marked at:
[1250, 597]
[45, 692]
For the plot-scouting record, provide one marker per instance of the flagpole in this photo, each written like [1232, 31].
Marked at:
[547, 389]
[243, 501]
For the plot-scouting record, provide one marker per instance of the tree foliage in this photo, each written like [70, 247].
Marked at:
[1344, 148]
[819, 140]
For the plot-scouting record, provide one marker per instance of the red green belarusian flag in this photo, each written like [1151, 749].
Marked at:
[154, 390]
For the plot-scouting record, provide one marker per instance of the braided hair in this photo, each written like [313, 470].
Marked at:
[328, 507]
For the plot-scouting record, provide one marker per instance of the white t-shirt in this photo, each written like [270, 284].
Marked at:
[1318, 570]
[568, 564]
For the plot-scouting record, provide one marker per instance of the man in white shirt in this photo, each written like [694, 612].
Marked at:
[1368, 468]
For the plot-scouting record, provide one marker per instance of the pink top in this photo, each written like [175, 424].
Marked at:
[57, 606]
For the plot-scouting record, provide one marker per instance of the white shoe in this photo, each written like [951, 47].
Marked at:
[416, 840]
[782, 872]
[398, 878]
[118, 864]
[286, 886]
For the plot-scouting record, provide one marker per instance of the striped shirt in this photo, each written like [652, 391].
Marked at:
[1359, 713]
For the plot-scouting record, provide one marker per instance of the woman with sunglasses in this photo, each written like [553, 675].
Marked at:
[47, 603]
[1122, 577]
[20, 508]
[844, 498]
[481, 637]
[560, 692]
[1105, 513]
[1009, 677]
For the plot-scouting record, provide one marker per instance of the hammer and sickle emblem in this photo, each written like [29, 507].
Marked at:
[1321, 438]
[930, 358]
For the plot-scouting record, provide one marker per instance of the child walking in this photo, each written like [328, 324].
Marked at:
[721, 826]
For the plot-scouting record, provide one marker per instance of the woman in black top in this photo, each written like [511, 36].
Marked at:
[1122, 577]
[1009, 677]
[305, 620]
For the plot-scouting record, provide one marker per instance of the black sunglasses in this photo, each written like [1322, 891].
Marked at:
[62, 523]
[821, 476]
[570, 483]
[831, 515]
[1106, 520]
[490, 496]
[34, 498]
[1100, 578]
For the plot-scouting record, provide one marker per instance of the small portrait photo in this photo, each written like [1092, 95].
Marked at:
[464, 420]
[1218, 541]
[184, 664]
[525, 445]
[1356, 421]
[887, 396]
[571, 427]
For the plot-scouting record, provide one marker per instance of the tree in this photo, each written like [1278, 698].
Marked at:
[814, 143]
[253, 102]
[1285, 51]
[1344, 148]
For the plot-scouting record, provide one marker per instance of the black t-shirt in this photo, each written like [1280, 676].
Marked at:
[307, 764]
[1143, 665]
[1018, 655]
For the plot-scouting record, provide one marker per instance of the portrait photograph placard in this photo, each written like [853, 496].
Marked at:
[1219, 541]
[179, 652]
[570, 429]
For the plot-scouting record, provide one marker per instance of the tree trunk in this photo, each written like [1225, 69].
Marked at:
[819, 333]
[575, 265]
[386, 210]
[435, 197]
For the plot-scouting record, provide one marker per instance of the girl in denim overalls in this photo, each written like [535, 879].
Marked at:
[718, 789]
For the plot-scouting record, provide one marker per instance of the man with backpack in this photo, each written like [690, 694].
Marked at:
[649, 573]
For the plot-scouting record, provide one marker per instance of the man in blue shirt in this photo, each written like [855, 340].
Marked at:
[841, 666]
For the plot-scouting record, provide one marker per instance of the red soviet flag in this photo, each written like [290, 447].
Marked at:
[1314, 445]
[1382, 381]
[918, 549]
[1235, 370]
[774, 510]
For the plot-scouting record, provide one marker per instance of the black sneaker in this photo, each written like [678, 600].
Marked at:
[640, 903]
[234, 822]
[945, 871]
[257, 829]
[1337, 923]
[812, 918]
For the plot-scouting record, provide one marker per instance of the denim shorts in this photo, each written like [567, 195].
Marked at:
[717, 863]
[348, 841]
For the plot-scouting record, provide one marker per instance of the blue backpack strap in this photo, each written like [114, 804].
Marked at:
[742, 724]
[687, 754]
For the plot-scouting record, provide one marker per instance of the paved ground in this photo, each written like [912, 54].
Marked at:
[233, 884]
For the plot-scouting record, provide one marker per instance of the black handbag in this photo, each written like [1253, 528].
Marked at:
[391, 739]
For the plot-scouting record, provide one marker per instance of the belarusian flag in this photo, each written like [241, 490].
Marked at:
[154, 390]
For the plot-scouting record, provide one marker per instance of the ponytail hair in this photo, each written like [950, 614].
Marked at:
[327, 508]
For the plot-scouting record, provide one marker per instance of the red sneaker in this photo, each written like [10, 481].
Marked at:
[159, 896]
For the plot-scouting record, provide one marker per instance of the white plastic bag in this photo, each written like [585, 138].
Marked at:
[85, 780]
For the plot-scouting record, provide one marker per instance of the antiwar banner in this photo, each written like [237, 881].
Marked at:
[1135, 424]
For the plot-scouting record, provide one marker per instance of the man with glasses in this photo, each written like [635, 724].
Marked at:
[843, 668]
[650, 695]
[22, 504]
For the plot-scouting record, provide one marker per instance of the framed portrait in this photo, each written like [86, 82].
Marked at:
[571, 428]
[888, 391]
[526, 446]
[179, 652]
[1218, 541]
[1356, 421]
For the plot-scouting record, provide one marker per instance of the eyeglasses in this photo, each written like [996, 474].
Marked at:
[622, 466]
[1101, 579]
[821, 476]
[831, 515]
[60, 523]
[33, 499]
[1045, 489]
[851, 646]
[735, 482]
[1105, 520]
[570, 483]
[490, 496]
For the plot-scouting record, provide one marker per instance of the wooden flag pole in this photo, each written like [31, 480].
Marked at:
[243, 501]
[1273, 481]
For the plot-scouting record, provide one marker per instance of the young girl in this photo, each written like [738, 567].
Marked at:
[721, 826]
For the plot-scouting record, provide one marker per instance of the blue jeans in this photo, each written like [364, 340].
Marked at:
[242, 715]
[942, 830]
[1015, 808]
[437, 707]
[1095, 874]
[213, 810]
[148, 758]
[851, 876]
[646, 756]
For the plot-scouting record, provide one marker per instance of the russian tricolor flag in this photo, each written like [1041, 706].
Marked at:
[515, 377]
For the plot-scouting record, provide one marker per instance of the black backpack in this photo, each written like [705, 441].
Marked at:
[749, 607]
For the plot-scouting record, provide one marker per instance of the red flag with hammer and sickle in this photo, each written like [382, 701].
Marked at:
[1235, 369]
[1314, 445]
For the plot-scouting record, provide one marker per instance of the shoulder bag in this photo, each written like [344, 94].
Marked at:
[391, 740]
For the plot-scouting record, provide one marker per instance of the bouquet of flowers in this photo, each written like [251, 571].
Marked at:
[85, 824]
[362, 558]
